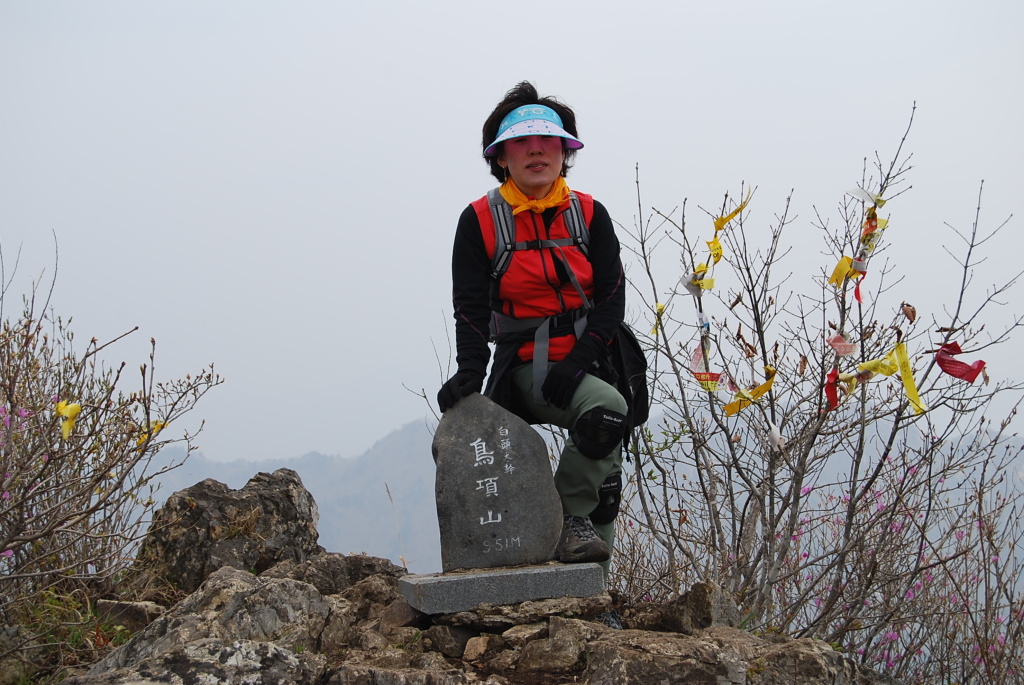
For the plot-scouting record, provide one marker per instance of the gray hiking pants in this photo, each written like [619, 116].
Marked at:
[577, 477]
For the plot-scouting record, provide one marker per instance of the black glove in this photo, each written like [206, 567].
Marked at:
[458, 386]
[564, 377]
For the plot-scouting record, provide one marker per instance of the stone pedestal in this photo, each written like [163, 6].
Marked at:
[448, 593]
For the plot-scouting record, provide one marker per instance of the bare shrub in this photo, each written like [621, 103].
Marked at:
[77, 465]
[889, 530]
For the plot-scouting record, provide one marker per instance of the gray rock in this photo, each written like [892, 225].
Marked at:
[235, 606]
[332, 573]
[215, 661]
[483, 647]
[719, 655]
[449, 640]
[519, 636]
[496, 498]
[400, 614]
[448, 593]
[374, 675]
[502, 617]
[703, 606]
[132, 615]
[209, 526]
[17, 647]
[561, 650]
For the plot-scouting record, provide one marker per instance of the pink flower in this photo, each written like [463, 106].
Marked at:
[7, 553]
[806, 490]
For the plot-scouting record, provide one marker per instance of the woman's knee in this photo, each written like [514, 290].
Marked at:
[598, 432]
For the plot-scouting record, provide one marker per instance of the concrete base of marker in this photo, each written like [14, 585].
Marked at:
[448, 593]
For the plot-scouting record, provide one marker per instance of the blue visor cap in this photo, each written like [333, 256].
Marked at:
[532, 120]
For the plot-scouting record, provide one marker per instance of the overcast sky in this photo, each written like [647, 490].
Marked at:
[274, 186]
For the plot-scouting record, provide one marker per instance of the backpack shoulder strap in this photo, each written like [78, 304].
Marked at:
[577, 225]
[504, 230]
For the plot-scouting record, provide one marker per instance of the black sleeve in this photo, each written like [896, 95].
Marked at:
[471, 282]
[609, 283]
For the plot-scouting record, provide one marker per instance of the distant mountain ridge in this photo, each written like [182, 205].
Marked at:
[357, 515]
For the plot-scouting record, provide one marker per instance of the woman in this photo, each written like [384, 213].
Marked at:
[552, 306]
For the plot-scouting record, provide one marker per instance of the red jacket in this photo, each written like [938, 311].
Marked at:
[533, 289]
[535, 284]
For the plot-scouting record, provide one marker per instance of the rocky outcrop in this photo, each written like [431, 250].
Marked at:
[240, 628]
[340, 620]
[208, 526]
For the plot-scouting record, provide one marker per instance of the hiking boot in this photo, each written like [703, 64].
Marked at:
[580, 542]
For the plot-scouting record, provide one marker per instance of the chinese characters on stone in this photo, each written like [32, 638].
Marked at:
[483, 456]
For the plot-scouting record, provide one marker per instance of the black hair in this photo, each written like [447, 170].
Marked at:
[525, 93]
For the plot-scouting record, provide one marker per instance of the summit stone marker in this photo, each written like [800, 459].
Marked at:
[496, 499]
[499, 516]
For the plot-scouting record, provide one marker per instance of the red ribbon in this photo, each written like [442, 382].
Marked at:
[832, 388]
[856, 290]
[955, 367]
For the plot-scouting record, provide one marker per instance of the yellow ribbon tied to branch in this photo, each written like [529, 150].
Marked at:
[897, 360]
[716, 250]
[697, 282]
[871, 233]
[844, 269]
[721, 221]
[744, 398]
[69, 412]
[659, 310]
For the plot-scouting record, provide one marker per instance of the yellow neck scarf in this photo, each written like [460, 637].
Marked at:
[558, 194]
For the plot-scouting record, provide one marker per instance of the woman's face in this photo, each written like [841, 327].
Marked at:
[533, 162]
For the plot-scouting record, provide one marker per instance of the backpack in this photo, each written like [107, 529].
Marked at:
[628, 364]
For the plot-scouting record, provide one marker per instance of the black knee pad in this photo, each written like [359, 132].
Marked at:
[610, 494]
[598, 432]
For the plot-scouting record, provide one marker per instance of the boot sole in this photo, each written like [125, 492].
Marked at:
[597, 554]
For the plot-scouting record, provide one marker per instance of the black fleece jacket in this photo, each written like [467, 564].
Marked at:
[474, 292]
